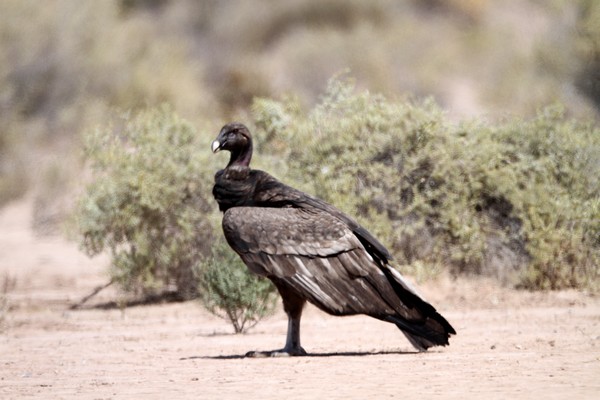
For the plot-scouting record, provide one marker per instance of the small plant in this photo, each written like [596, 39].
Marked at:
[147, 203]
[8, 283]
[230, 291]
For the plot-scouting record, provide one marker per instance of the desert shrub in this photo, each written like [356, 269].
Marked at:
[256, 28]
[62, 69]
[588, 49]
[148, 202]
[230, 291]
[54, 67]
[518, 199]
[54, 195]
[555, 190]
[13, 177]
[7, 284]
[63, 66]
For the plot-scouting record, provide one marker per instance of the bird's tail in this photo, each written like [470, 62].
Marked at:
[424, 335]
[430, 328]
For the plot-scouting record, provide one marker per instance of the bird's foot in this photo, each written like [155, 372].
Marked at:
[294, 352]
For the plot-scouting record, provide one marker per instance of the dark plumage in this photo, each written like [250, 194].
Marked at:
[313, 252]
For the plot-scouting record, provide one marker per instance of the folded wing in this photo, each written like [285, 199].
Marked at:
[320, 257]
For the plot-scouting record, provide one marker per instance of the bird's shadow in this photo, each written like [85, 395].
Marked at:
[311, 355]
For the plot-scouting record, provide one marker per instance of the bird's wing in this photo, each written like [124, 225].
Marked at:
[280, 231]
[315, 253]
[272, 193]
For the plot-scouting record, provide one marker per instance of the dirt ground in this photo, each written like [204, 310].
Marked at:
[510, 344]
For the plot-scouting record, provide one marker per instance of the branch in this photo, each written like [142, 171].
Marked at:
[97, 290]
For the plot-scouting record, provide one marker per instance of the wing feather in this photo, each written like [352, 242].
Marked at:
[291, 231]
[316, 254]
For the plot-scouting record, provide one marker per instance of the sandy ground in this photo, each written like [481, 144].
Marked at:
[510, 344]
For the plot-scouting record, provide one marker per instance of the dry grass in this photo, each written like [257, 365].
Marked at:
[7, 284]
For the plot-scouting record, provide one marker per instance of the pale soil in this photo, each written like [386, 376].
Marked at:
[510, 344]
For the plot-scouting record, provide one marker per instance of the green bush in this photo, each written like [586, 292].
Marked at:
[230, 291]
[518, 200]
[148, 202]
[150, 205]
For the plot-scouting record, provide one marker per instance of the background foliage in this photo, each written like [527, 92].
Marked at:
[483, 177]
[147, 202]
[519, 200]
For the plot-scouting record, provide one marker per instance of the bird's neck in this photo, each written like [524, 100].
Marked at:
[241, 157]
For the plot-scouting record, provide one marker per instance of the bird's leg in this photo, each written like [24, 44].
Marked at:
[293, 306]
[292, 342]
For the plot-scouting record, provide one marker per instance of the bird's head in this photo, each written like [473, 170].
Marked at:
[235, 137]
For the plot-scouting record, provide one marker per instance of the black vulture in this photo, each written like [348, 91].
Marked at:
[313, 252]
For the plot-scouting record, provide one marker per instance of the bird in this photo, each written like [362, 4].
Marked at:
[313, 252]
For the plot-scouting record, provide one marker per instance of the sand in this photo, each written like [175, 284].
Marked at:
[510, 344]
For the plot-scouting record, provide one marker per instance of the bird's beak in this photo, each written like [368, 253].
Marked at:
[216, 146]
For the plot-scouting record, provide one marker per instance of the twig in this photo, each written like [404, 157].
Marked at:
[97, 290]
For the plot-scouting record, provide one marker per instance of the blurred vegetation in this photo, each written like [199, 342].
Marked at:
[13, 175]
[66, 65]
[7, 284]
[229, 291]
[147, 203]
[588, 46]
[519, 199]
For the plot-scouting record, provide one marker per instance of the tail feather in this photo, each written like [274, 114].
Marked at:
[430, 328]
[424, 334]
[418, 343]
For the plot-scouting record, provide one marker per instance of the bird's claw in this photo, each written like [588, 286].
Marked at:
[277, 353]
